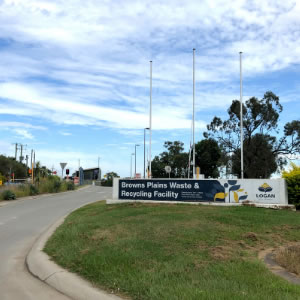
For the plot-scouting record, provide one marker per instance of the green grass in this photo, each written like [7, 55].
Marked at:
[44, 186]
[181, 252]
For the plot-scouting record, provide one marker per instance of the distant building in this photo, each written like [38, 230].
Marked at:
[92, 174]
[89, 174]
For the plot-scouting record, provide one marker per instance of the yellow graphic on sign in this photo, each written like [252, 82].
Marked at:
[233, 189]
[220, 196]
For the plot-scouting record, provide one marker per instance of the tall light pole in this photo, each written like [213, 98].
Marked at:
[194, 162]
[136, 145]
[145, 149]
[131, 164]
[150, 121]
[99, 173]
[241, 118]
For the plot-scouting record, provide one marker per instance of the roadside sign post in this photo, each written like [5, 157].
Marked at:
[63, 165]
[168, 170]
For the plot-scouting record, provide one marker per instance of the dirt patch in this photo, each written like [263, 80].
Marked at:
[84, 251]
[111, 234]
[102, 234]
[251, 236]
[221, 253]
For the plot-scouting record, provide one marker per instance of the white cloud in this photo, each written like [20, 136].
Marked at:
[65, 133]
[54, 109]
[23, 133]
[8, 125]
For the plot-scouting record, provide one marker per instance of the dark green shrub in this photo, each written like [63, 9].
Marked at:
[56, 186]
[8, 195]
[70, 186]
[293, 184]
[33, 190]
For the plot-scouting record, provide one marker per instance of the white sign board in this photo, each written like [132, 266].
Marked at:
[264, 191]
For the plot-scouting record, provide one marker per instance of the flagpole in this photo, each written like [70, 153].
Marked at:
[241, 118]
[150, 125]
[194, 162]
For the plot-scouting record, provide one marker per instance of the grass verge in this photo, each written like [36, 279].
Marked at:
[149, 251]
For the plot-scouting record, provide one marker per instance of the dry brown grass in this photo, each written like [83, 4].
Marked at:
[289, 258]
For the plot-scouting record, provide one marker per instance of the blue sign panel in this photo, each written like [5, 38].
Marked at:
[172, 190]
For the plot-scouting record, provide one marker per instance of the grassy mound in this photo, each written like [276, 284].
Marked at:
[149, 251]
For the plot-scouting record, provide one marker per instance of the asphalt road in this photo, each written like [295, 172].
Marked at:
[21, 223]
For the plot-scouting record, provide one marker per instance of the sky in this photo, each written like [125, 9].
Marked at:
[75, 75]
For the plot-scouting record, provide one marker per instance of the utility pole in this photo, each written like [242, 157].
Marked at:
[21, 156]
[27, 157]
[32, 165]
[136, 145]
[16, 150]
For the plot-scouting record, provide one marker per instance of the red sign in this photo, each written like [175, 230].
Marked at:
[54, 172]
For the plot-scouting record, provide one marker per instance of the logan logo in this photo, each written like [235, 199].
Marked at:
[265, 188]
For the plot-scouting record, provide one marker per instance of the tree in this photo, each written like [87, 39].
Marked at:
[262, 147]
[9, 165]
[173, 157]
[158, 168]
[108, 178]
[292, 178]
[259, 161]
[208, 155]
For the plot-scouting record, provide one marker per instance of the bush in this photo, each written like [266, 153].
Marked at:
[8, 195]
[2, 178]
[56, 186]
[33, 190]
[70, 185]
[292, 178]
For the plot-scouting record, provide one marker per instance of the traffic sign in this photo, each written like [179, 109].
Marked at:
[168, 169]
[63, 165]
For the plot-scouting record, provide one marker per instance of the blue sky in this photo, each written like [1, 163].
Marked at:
[74, 75]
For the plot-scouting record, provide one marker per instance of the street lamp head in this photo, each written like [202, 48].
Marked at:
[147, 128]
[137, 145]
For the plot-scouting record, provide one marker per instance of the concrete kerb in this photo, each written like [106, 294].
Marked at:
[69, 284]
[267, 256]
